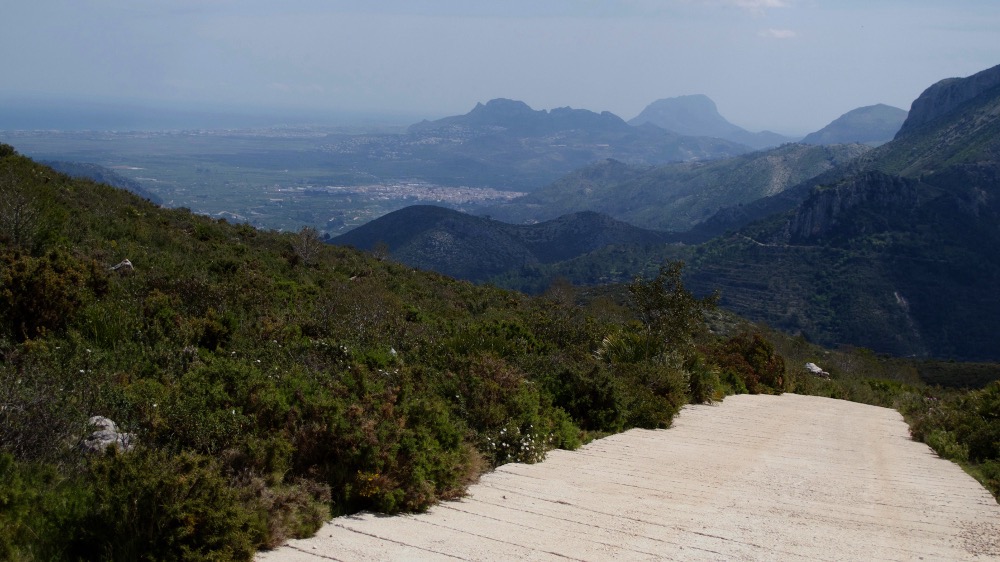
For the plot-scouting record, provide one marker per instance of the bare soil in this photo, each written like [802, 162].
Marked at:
[752, 478]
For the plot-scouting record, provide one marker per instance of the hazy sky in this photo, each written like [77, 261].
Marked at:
[786, 65]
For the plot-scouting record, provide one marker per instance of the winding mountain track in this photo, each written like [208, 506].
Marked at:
[753, 478]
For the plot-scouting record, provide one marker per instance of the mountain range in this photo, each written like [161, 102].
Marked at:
[507, 144]
[895, 249]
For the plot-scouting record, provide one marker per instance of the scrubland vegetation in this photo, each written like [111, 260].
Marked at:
[269, 381]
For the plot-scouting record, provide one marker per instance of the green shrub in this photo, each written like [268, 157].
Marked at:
[40, 511]
[752, 359]
[653, 393]
[704, 384]
[152, 505]
[947, 446]
[591, 395]
[990, 471]
[41, 295]
[43, 408]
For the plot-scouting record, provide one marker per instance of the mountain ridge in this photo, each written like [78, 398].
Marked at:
[478, 248]
[947, 95]
[517, 116]
[507, 144]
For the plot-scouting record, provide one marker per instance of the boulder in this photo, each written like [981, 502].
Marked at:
[105, 433]
[817, 370]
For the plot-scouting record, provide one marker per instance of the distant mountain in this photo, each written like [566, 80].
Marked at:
[872, 125]
[507, 145]
[697, 115]
[676, 196]
[474, 248]
[107, 176]
[517, 117]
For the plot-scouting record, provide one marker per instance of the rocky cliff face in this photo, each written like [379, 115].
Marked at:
[947, 95]
[820, 214]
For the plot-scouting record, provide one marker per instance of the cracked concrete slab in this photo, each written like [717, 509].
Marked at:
[753, 478]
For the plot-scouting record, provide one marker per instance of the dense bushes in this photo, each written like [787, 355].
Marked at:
[749, 361]
[39, 295]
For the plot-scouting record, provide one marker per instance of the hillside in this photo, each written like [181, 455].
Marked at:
[948, 96]
[872, 125]
[936, 135]
[100, 174]
[177, 387]
[474, 248]
[697, 115]
[676, 196]
[896, 251]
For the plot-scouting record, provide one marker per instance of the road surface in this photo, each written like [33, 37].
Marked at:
[753, 478]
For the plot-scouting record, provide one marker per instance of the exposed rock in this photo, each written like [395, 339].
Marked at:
[123, 266]
[947, 95]
[106, 434]
[819, 214]
[817, 370]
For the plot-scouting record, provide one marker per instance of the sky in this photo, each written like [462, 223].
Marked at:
[789, 66]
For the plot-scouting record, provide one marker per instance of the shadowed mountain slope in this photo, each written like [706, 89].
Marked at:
[898, 251]
[475, 248]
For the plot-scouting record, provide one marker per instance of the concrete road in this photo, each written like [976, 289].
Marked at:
[753, 478]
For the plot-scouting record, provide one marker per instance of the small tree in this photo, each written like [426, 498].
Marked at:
[307, 245]
[19, 214]
[671, 316]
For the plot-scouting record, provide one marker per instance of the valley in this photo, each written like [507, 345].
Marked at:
[270, 178]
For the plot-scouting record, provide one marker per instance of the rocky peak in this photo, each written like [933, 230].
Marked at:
[947, 95]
